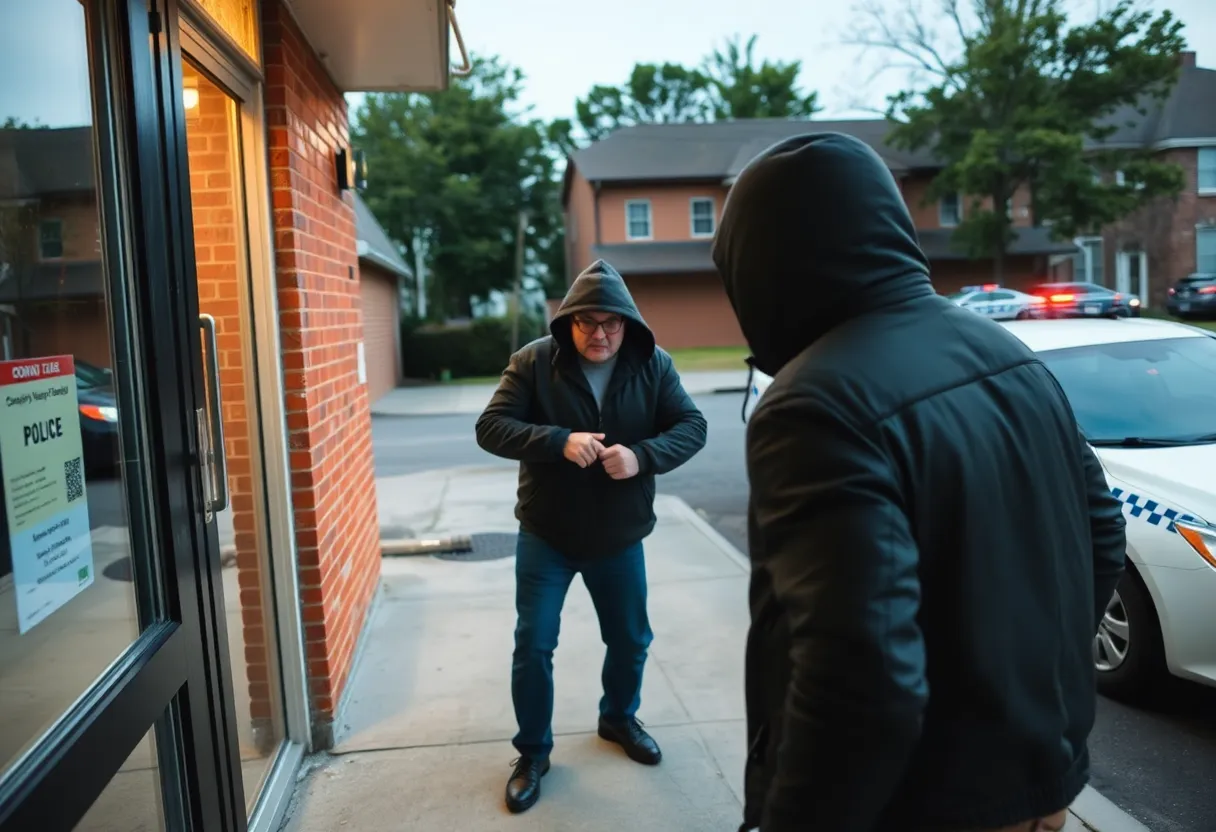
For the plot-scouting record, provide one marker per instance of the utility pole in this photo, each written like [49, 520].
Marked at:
[421, 246]
[517, 295]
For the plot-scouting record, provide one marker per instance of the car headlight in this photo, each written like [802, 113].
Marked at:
[99, 413]
[1202, 538]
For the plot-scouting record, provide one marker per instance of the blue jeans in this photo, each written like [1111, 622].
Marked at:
[617, 586]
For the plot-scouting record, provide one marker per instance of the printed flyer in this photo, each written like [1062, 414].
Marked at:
[41, 458]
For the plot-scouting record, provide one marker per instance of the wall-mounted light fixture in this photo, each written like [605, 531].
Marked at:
[190, 93]
[352, 169]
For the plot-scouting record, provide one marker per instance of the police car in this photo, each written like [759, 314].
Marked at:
[1144, 392]
[1000, 304]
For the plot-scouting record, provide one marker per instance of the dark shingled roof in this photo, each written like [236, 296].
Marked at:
[44, 161]
[687, 257]
[716, 150]
[719, 150]
[373, 243]
[938, 244]
[59, 280]
[693, 257]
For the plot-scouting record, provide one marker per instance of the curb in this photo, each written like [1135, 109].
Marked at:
[1101, 815]
[1091, 808]
[713, 535]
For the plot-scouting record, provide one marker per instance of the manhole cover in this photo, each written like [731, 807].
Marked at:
[119, 570]
[490, 546]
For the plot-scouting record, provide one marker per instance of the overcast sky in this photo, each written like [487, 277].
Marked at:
[563, 46]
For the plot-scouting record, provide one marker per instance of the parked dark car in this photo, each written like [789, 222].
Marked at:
[1193, 297]
[98, 418]
[1085, 300]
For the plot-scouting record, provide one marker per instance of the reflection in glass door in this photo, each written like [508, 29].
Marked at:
[107, 717]
[221, 251]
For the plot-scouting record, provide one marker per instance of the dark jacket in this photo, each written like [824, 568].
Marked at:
[543, 397]
[932, 540]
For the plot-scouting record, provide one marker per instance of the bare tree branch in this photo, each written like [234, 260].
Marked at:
[906, 35]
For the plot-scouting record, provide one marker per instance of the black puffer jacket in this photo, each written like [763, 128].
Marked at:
[932, 541]
[543, 397]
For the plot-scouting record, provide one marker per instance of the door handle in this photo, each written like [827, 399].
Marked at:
[211, 447]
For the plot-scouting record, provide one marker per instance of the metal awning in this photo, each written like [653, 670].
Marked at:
[380, 45]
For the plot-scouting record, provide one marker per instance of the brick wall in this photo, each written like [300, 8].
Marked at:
[686, 310]
[221, 293]
[333, 486]
[1164, 230]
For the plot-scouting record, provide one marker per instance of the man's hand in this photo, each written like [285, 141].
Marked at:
[620, 462]
[584, 448]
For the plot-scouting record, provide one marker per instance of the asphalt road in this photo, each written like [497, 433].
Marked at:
[1158, 764]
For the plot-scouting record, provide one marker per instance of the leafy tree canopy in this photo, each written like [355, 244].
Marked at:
[449, 173]
[1023, 98]
[728, 84]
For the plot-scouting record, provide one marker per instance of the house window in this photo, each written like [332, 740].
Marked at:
[50, 239]
[637, 219]
[702, 211]
[1207, 170]
[1087, 263]
[950, 211]
[1205, 250]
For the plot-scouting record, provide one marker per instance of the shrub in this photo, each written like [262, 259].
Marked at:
[480, 347]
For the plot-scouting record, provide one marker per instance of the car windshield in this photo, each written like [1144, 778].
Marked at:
[1141, 390]
[88, 375]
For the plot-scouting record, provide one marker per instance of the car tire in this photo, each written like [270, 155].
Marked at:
[1129, 656]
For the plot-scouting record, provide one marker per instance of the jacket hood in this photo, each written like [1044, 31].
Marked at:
[813, 233]
[600, 288]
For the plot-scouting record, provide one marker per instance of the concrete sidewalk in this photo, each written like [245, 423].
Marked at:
[453, 399]
[424, 740]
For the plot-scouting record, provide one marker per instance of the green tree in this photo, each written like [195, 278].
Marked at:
[737, 88]
[727, 85]
[1016, 106]
[449, 173]
[654, 94]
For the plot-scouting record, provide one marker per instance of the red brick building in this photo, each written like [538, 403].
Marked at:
[647, 199]
[179, 217]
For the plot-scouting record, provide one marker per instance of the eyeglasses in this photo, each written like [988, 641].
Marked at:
[587, 326]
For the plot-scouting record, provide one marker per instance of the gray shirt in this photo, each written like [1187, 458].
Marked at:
[598, 376]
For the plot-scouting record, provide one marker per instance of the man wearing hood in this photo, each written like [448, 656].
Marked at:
[592, 413]
[932, 541]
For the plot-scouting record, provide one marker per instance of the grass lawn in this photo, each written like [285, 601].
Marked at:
[461, 382]
[710, 358]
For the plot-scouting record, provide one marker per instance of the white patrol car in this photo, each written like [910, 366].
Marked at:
[1000, 304]
[1144, 392]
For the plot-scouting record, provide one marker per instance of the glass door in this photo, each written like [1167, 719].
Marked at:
[112, 684]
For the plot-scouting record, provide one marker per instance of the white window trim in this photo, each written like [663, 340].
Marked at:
[649, 220]
[941, 220]
[1201, 230]
[1202, 191]
[692, 217]
[1088, 258]
[62, 244]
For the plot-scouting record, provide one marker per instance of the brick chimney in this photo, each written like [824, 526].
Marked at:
[1187, 60]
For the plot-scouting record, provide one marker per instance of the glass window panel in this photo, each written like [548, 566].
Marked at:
[67, 598]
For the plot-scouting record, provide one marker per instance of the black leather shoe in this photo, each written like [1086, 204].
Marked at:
[523, 789]
[629, 735]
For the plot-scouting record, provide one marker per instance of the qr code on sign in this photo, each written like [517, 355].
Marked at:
[73, 478]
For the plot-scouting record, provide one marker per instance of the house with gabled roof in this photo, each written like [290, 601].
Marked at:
[647, 199]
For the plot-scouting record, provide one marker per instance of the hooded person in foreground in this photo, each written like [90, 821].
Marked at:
[932, 541]
[592, 413]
